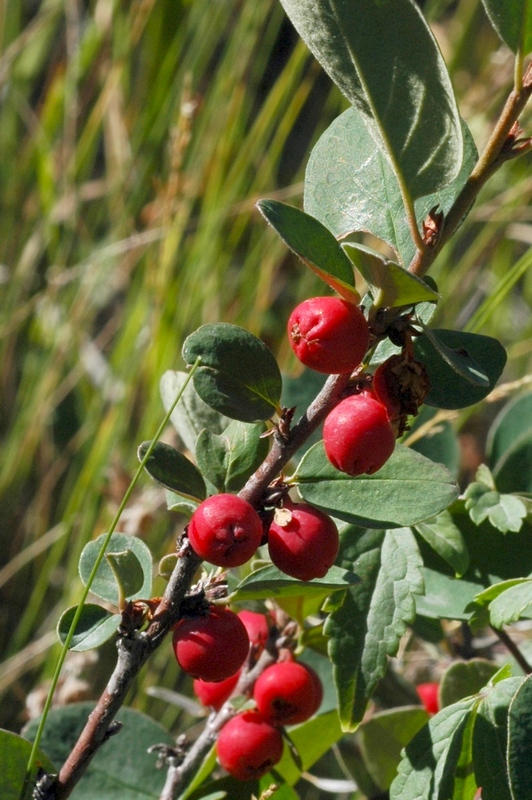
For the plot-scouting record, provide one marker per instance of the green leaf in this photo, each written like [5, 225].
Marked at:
[300, 392]
[390, 284]
[14, 756]
[312, 740]
[350, 185]
[439, 442]
[96, 626]
[512, 19]
[367, 627]
[383, 737]
[180, 503]
[105, 584]
[128, 572]
[229, 458]
[314, 244]
[192, 414]
[238, 375]
[519, 738]
[404, 92]
[513, 603]
[464, 679]
[446, 597]
[269, 582]
[490, 739]
[505, 511]
[406, 490]
[123, 768]
[438, 756]
[173, 470]
[445, 538]
[509, 445]
[460, 366]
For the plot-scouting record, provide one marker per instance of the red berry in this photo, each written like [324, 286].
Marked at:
[358, 436]
[288, 692]
[328, 334]
[211, 647]
[225, 530]
[214, 695]
[428, 694]
[257, 628]
[303, 542]
[248, 746]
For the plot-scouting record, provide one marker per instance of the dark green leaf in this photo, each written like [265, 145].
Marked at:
[464, 679]
[14, 756]
[229, 458]
[383, 737]
[181, 504]
[512, 19]
[445, 538]
[509, 446]
[490, 737]
[238, 375]
[438, 757]
[173, 470]
[123, 768]
[313, 243]
[350, 185]
[439, 442]
[191, 414]
[408, 489]
[271, 582]
[471, 354]
[105, 585]
[367, 627]
[96, 626]
[390, 284]
[300, 392]
[446, 597]
[128, 572]
[404, 92]
[519, 738]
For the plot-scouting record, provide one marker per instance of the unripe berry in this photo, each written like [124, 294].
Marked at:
[225, 530]
[287, 693]
[429, 696]
[211, 647]
[214, 694]
[248, 746]
[328, 334]
[257, 627]
[303, 541]
[357, 435]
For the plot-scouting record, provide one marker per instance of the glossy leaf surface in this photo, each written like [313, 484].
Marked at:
[173, 470]
[229, 458]
[238, 375]
[445, 538]
[271, 582]
[96, 626]
[512, 19]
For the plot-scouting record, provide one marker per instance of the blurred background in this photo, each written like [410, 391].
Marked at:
[135, 138]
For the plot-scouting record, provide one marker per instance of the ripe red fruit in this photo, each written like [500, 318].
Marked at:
[428, 694]
[304, 542]
[214, 695]
[225, 530]
[357, 435]
[248, 746]
[257, 628]
[328, 334]
[211, 647]
[287, 693]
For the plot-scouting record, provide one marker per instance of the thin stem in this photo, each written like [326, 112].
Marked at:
[511, 646]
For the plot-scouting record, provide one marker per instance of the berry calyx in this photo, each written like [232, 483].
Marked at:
[257, 627]
[328, 334]
[288, 692]
[429, 695]
[225, 530]
[248, 746]
[357, 435]
[303, 541]
[401, 384]
[212, 646]
[214, 694]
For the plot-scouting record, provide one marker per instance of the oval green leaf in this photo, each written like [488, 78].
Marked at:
[443, 535]
[463, 368]
[14, 756]
[238, 375]
[408, 489]
[105, 584]
[512, 19]
[95, 626]
[314, 244]
[465, 678]
[509, 445]
[173, 470]
[519, 737]
[191, 414]
[271, 582]
[404, 92]
[229, 458]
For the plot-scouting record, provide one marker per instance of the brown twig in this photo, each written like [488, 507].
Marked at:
[511, 646]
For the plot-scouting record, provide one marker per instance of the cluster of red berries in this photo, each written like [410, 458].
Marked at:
[212, 647]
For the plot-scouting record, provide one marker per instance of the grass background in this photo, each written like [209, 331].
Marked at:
[135, 139]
